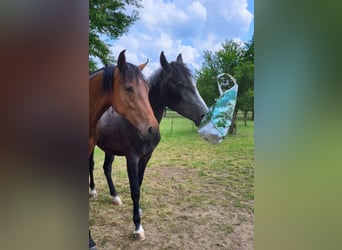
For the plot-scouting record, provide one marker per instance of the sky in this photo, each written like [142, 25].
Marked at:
[184, 26]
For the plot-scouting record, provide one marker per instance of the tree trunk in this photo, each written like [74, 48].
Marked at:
[245, 113]
[232, 128]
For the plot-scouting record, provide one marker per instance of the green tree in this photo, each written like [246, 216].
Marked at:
[236, 59]
[245, 74]
[107, 19]
[222, 61]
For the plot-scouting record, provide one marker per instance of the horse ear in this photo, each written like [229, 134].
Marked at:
[163, 61]
[122, 61]
[179, 58]
[142, 66]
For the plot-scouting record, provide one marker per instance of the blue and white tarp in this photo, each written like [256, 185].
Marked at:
[215, 124]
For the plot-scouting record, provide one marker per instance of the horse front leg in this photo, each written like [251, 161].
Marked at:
[107, 168]
[141, 170]
[142, 166]
[133, 175]
[92, 192]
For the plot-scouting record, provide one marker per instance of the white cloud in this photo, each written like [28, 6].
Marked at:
[198, 10]
[183, 26]
[157, 13]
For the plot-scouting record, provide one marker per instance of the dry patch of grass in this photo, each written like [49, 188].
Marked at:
[195, 195]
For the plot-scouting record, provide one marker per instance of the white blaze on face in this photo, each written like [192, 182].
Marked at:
[200, 97]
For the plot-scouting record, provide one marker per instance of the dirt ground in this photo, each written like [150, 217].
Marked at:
[183, 208]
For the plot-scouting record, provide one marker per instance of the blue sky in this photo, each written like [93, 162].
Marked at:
[184, 26]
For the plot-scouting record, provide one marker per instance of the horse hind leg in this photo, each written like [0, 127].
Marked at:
[92, 192]
[107, 168]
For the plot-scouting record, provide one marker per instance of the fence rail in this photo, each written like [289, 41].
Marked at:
[173, 114]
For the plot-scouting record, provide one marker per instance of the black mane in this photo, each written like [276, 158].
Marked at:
[155, 78]
[108, 77]
[176, 68]
[130, 73]
[95, 72]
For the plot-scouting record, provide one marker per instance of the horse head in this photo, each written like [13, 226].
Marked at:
[180, 93]
[130, 96]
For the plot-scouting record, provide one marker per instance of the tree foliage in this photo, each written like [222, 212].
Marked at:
[107, 18]
[236, 59]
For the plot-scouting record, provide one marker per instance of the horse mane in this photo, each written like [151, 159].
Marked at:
[108, 76]
[131, 72]
[157, 75]
[181, 69]
[91, 73]
[155, 78]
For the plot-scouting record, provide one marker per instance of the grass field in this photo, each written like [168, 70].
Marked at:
[195, 195]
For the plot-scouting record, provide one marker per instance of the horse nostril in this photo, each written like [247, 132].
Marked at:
[150, 130]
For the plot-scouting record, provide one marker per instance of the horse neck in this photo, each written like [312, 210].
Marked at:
[156, 100]
[98, 103]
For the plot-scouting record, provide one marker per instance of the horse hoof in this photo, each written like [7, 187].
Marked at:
[139, 234]
[93, 193]
[117, 200]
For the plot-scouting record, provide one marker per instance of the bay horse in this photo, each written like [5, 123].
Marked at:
[170, 86]
[123, 88]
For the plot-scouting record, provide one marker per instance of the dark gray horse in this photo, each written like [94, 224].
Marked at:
[170, 86]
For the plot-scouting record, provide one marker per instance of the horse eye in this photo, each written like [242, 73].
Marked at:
[129, 89]
[180, 84]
